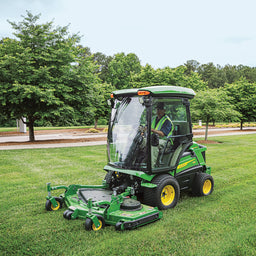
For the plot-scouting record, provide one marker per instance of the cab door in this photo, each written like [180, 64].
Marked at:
[165, 154]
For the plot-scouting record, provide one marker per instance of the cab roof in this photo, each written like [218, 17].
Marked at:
[161, 90]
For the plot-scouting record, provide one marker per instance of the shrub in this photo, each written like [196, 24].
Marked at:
[92, 130]
[105, 130]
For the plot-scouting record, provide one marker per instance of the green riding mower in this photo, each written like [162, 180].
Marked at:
[151, 159]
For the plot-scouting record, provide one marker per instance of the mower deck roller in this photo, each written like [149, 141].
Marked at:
[151, 159]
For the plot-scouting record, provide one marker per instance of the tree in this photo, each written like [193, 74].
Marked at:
[103, 62]
[232, 73]
[248, 72]
[243, 97]
[212, 105]
[121, 68]
[40, 74]
[167, 76]
[192, 66]
[101, 94]
[214, 76]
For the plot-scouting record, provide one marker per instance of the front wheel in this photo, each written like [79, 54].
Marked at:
[89, 225]
[49, 206]
[203, 184]
[166, 195]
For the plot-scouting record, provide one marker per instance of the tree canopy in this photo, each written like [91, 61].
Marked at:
[121, 68]
[211, 105]
[42, 73]
[49, 78]
[167, 76]
[243, 97]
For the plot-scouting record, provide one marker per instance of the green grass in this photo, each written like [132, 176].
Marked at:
[220, 224]
[14, 129]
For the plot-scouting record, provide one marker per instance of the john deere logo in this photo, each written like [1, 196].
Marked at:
[186, 163]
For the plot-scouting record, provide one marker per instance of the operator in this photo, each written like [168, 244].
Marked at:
[162, 126]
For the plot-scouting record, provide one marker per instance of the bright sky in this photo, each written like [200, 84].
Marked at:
[160, 32]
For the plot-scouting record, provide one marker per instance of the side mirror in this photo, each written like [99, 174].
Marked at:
[111, 103]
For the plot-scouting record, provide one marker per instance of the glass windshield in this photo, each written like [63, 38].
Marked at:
[170, 132]
[127, 136]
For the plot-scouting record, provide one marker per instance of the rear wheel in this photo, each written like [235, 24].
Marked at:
[166, 195]
[203, 184]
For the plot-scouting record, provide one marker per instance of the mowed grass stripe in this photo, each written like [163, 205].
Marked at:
[220, 224]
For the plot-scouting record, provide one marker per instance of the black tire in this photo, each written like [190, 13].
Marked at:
[108, 177]
[113, 179]
[166, 195]
[50, 207]
[89, 225]
[67, 214]
[130, 205]
[203, 184]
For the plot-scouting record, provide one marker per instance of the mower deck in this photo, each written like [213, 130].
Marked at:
[99, 206]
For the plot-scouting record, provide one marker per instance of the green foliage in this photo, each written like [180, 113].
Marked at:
[212, 105]
[47, 77]
[101, 94]
[220, 224]
[214, 76]
[243, 97]
[103, 62]
[121, 68]
[43, 74]
[167, 76]
[217, 76]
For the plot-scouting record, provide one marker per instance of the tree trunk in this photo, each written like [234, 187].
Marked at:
[31, 130]
[206, 130]
[95, 123]
[241, 125]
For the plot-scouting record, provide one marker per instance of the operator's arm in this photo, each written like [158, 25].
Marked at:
[166, 128]
[160, 133]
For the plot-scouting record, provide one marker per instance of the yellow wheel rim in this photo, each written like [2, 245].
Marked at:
[94, 227]
[167, 195]
[57, 207]
[207, 187]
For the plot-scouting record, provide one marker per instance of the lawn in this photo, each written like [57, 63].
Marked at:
[14, 129]
[223, 223]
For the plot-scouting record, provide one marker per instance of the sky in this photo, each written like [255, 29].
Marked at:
[160, 32]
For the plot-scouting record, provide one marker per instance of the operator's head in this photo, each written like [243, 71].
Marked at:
[160, 109]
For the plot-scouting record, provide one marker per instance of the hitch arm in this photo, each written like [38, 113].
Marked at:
[49, 189]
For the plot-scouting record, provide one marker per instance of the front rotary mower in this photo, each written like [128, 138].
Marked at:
[98, 206]
[151, 158]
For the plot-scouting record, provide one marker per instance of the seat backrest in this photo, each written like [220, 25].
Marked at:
[181, 128]
[175, 157]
